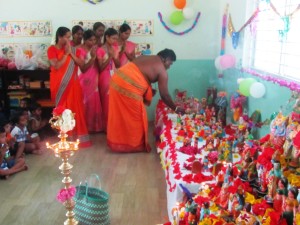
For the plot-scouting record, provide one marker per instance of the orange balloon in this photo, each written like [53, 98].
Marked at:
[179, 4]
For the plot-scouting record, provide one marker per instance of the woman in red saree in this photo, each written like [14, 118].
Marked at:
[108, 60]
[126, 48]
[64, 83]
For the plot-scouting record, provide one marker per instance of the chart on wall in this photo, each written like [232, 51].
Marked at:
[39, 28]
[143, 49]
[38, 50]
[138, 27]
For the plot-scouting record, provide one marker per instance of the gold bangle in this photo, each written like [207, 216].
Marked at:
[176, 109]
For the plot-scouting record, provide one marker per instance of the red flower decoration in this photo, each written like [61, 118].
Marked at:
[200, 200]
[58, 110]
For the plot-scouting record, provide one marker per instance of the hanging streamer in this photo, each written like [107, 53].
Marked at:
[183, 32]
[224, 24]
[286, 21]
[236, 34]
[223, 37]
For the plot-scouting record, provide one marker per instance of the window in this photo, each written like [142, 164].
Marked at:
[275, 45]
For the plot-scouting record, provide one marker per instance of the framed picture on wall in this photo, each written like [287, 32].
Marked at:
[143, 49]
[40, 28]
[138, 27]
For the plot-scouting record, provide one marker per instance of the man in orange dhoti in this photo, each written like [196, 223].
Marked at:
[130, 89]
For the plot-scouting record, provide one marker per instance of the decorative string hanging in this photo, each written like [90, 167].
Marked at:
[223, 37]
[224, 27]
[285, 19]
[182, 32]
[235, 35]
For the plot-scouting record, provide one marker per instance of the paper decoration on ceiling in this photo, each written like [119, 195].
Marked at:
[94, 2]
[179, 15]
[182, 32]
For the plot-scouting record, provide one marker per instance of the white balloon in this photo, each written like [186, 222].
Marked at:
[188, 13]
[217, 63]
[257, 90]
[239, 80]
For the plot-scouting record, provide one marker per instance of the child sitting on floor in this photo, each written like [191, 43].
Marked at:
[8, 164]
[15, 150]
[36, 123]
[20, 132]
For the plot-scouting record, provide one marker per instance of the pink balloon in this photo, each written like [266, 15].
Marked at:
[227, 61]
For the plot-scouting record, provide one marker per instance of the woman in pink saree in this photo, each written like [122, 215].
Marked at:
[126, 48]
[108, 61]
[89, 82]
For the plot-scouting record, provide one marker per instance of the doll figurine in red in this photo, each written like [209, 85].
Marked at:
[281, 193]
[290, 205]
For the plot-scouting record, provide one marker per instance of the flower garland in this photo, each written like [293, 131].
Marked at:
[66, 194]
[293, 86]
[179, 33]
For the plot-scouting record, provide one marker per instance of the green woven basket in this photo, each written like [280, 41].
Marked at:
[91, 206]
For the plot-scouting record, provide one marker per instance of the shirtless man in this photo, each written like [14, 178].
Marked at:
[154, 68]
[130, 89]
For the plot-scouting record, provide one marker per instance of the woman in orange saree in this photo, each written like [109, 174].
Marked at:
[64, 83]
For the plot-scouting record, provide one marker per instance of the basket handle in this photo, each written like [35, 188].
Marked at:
[88, 184]
[80, 185]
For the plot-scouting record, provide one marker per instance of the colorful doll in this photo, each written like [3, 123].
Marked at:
[223, 196]
[236, 104]
[292, 129]
[295, 152]
[290, 205]
[274, 175]
[281, 193]
[246, 217]
[245, 167]
[205, 212]
[278, 130]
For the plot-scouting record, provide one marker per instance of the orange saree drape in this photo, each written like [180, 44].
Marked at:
[127, 129]
[66, 91]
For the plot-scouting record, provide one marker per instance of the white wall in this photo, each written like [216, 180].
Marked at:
[201, 43]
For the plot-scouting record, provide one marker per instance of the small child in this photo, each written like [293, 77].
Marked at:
[8, 164]
[21, 134]
[15, 150]
[36, 123]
